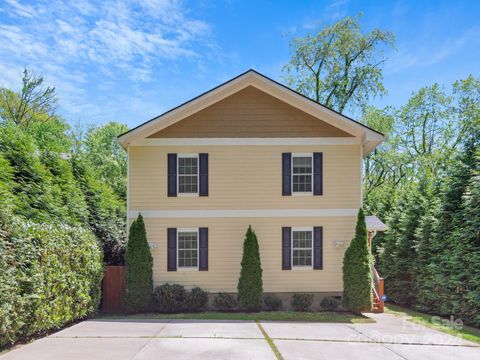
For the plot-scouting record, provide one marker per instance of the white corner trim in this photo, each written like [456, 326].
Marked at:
[245, 141]
[265, 213]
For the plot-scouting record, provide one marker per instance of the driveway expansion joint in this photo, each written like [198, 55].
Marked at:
[150, 339]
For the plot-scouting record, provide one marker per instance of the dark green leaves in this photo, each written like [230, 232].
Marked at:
[250, 284]
[357, 274]
[139, 274]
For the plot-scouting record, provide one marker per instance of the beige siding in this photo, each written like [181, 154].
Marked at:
[248, 178]
[244, 177]
[225, 251]
[250, 113]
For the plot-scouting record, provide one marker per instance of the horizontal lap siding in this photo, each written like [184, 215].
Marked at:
[250, 113]
[244, 177]
[226, 237]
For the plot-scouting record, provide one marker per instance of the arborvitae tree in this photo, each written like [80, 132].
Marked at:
[467, 253]
[357, 273]
[250, 284]
[138, 261]
[425, 266]
[386, 251]
[401, 275]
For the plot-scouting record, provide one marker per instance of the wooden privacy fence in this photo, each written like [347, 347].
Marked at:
[113, 289]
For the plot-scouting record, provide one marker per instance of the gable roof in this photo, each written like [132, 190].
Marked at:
[370, 138]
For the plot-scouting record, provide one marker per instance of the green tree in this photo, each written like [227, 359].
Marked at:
[357, 273]
[250, 284]
[139, 262]
[35, 101]
[106, 212]
[340, 66]
[110, 160]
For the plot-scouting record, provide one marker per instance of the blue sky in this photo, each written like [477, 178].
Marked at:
[131, 60]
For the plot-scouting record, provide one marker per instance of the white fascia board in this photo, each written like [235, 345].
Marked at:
[186, 110]
[263, 84]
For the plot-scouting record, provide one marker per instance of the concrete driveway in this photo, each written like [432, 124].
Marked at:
[390, 338]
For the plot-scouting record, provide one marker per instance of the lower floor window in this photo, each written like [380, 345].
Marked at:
[302, 247]
[187, 248]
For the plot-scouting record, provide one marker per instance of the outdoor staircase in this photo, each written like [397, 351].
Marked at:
[377, 291]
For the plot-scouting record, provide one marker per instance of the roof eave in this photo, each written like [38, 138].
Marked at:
[273, 88]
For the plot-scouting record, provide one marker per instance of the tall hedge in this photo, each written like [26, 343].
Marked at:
[357, 274]
[50, 275]
[250, 284]
[138, 260]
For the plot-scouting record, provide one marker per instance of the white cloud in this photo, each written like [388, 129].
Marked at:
[337, 9]
[430, 53]
[332, 12]
[72, 42]
[21, 10]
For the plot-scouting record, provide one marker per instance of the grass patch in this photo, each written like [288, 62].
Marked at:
[343, 317]
[466, 332]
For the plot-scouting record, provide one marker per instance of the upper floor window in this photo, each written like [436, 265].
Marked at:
[187, 247]
[302, 247]
[188, 174]
[302, 173]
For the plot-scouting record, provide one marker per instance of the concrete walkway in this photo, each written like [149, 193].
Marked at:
[390, 338]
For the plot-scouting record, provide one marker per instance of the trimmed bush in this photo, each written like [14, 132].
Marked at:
[301, 301]
[138, 275]
[50, 275]
[272, 302]
[169, 298]
[197, 300]
[250, 284]
[224, 302]
[357, 273]
[329, 303]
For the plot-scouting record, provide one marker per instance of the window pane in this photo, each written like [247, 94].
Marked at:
[302, 174]
[187, 166]
[187, 175]
[302, 248]
[187, 249]
[187, 184]
[302, 165]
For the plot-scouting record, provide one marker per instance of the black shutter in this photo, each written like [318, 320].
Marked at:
[203, 167]
[318, 248]
[286, 248]
[318, 173]
[203, 249]
[172, 174]
[171, 249]
[286, 174]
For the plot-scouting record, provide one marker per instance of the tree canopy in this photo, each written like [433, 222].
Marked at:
[50, 175]
[340, 66]
[423, 180]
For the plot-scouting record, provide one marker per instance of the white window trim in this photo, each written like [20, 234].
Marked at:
[301, 193]
[178, 174]
[189, 268]
[302, 267]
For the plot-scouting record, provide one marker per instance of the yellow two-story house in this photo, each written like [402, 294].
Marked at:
[248, 152]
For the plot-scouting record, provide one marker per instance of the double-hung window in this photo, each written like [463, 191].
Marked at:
[302, 247]
[302, 173]
[188, 174]
[187, 248]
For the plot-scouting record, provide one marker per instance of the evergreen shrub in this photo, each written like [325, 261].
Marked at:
[250, 284]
